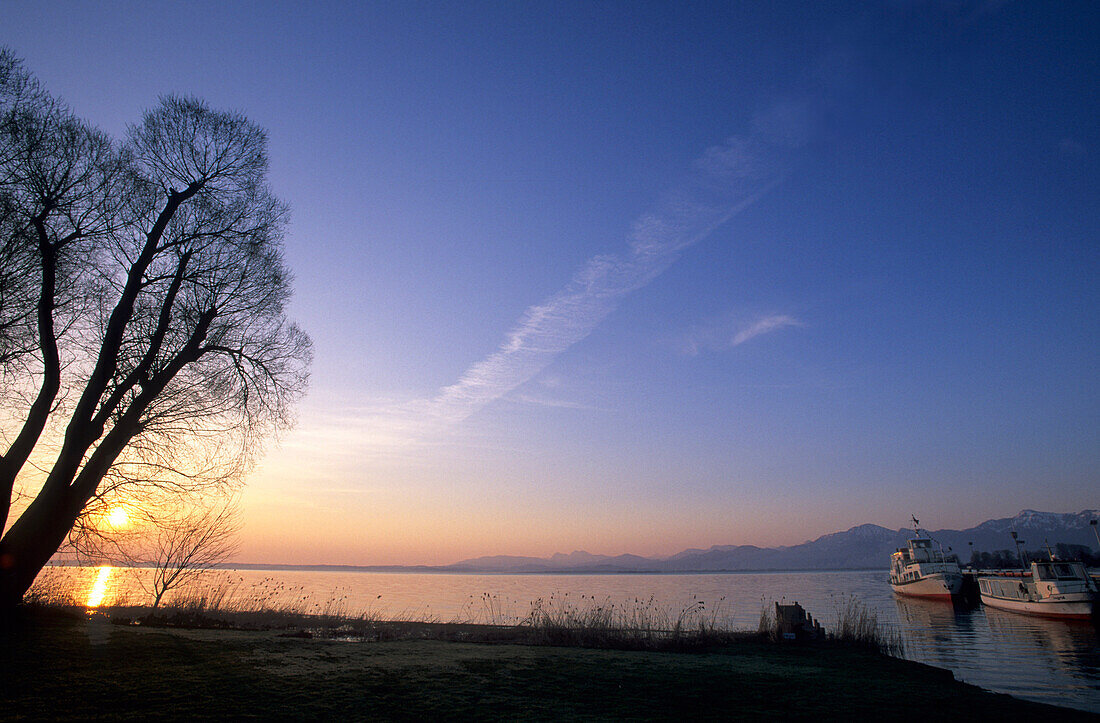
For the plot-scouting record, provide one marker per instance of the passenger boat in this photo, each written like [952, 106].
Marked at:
[1052, 589]
[922, 569]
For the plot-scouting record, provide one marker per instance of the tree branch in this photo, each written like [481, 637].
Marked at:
[19, 451]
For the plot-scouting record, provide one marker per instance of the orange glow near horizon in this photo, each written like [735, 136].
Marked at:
[438, 530]
[99, 587]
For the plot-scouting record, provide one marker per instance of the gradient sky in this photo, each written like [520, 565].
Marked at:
[635, 277]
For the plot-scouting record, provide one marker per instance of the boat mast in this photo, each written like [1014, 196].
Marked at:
[1018, 541]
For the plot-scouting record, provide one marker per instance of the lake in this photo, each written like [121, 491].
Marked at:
[1048, 661]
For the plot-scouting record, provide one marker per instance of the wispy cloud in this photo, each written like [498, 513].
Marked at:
[724, 180]
[763, 326]
[721, 182]
[552, 403]
[733, 331]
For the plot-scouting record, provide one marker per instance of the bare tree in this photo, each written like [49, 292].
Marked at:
[182, 547]
[155, 353]
[20, 98]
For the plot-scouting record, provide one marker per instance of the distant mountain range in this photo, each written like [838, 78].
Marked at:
[864, 546]
[861, 547]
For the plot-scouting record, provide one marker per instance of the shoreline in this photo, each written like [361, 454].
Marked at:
[70, 667]
[443, 570]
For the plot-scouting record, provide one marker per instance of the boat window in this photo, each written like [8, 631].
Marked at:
[1064, 571]
[1043, 572]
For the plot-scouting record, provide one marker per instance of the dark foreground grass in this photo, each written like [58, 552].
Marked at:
[56, 666]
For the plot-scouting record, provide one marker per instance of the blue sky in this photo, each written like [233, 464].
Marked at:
[633, 277]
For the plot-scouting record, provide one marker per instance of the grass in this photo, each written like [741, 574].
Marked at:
[58, 665]
[589, 623]
[643, 625]
[859, 626]
[50, 590]
[216, 600]
[223, 601]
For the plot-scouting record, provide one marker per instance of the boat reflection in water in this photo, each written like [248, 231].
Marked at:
[1068, 651]
[1052, 661]
[935, 633]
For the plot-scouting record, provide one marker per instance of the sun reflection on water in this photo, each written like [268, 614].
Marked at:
[99, 587]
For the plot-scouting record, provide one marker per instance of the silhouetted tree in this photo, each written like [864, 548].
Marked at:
[998, 560]
[150, 350]
[1008, 560]
[1068, 551]
[183, 546]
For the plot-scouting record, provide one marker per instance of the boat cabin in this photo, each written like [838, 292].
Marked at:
[919, 550]
[1059, 570]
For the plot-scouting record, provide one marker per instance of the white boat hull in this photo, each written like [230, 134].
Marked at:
[937, 586]
[1063, 609]
[1053, 589]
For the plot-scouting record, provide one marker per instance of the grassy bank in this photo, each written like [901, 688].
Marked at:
[584, 621]
[59, 666]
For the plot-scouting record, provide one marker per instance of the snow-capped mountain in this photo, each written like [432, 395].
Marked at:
[863, 546]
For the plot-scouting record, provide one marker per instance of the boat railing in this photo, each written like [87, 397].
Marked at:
[1000, 573]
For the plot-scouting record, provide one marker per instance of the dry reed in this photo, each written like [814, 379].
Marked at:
[859, 626]
[222, 599]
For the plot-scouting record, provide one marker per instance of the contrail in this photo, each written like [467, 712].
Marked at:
[723, 181]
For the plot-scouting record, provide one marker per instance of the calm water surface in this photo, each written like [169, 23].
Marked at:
[1049, 661]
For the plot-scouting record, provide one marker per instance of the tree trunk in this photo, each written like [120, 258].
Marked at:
[38, 415]
[31, 541]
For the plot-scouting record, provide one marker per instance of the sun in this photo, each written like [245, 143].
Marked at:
[118, 517]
